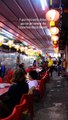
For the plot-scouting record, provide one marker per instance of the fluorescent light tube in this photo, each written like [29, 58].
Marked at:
[43, 4]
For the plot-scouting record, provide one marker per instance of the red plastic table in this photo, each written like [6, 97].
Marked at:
[4, 89]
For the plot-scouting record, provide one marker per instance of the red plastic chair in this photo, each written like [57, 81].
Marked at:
[8, 80]
[11, 71]
[44, 77]
[1, 80]
[41, 87]
[29, 69]
[9, 75]
[48, 77]
[28, 105]
[17, 111]
[42, 74]
[10, 117]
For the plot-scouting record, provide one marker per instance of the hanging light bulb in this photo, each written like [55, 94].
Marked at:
[54, 38]
[31, 52]
[1, 40]
[52, 15]
[10, 43]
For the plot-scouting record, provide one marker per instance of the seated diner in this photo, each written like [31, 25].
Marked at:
[14, 94]
[33, 81]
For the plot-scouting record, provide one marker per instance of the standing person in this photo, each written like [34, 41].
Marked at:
[64, 64]
[50, 65]
[59, 67]
[3, 69]
[17, 61]
[34, 63]
[0, 69]
[14, 94]
[44, 67]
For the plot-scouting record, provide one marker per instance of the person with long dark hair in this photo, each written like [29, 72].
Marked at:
[14, 94]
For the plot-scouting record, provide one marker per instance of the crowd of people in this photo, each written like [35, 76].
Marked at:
[59, 65]
[21, 85]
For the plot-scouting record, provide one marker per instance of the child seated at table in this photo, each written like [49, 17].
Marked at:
[32, 82]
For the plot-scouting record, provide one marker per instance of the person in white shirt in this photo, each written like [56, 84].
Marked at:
[32, 82]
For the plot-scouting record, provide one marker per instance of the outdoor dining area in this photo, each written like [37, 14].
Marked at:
[33, 59]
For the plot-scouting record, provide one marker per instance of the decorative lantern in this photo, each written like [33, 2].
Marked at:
[54, 30]
[30, 52]
[37, 52]
[26, 49]
[17, 47]
[54, 38]
[10, 43]
[21, 48]
[52, 15]
[1, 40]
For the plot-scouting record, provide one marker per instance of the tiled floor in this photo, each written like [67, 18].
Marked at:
[54, 105]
